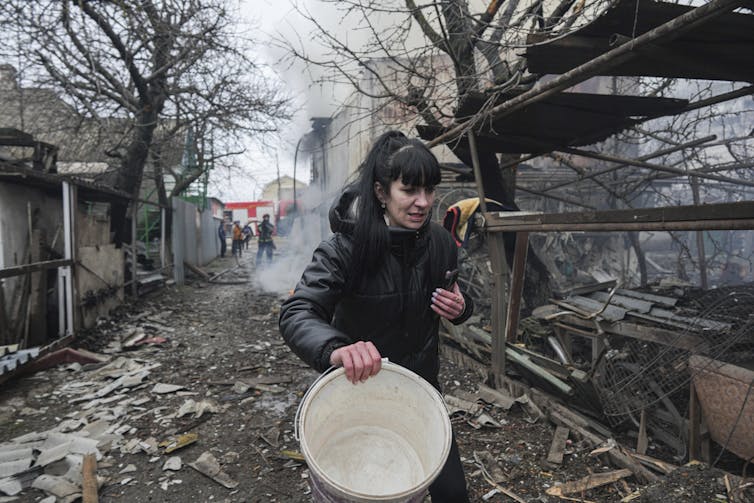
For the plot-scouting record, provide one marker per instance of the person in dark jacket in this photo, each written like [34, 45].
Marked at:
[265, 242]
[376, 288]
[221, 236]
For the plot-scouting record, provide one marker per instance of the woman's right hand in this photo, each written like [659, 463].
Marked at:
[360, 360]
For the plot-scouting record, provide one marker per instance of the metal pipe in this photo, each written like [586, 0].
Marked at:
[559, 351]
[66, 327]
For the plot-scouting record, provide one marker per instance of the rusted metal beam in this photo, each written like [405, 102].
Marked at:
[673, 28]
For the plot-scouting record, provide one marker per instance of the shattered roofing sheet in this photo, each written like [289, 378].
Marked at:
[11, 361]
[718, 49]
[562, 120]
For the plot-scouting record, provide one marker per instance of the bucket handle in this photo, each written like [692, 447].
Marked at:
[303, 399]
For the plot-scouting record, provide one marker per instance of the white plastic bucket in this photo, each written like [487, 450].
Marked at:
[383, 440]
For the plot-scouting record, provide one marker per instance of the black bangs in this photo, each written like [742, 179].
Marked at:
[415, 165]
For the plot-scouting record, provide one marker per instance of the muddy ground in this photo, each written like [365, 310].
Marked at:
[223, 348]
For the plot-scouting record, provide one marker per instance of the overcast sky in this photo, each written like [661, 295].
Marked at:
[272, 17]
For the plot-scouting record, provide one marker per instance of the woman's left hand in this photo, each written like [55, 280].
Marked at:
[448, 303]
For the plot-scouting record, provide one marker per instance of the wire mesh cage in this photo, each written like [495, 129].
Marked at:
[635, 376]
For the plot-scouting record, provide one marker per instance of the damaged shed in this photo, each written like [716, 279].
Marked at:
[671, 363]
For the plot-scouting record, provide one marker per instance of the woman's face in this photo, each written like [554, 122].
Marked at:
[406, 206]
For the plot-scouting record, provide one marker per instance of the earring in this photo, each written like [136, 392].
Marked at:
[382, 205]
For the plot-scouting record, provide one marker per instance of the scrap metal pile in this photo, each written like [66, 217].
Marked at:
[626, 358]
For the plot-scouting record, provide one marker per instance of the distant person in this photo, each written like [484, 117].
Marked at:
[221, 235]
[266, 245]
[247, 234]
[237, 238]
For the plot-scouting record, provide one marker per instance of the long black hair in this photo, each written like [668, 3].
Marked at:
[391, 157]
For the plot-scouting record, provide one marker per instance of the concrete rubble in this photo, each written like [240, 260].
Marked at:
[105, 399]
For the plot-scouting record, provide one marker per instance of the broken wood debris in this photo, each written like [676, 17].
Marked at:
[589, 482]
[89, 487]
[558, 445]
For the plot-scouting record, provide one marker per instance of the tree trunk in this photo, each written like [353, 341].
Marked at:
[132, 168]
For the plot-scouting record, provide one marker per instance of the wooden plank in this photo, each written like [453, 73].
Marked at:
[89, 479]
[589, 482]
[642, 441]
[496, 397]
[37, 308]
[498, 303]
[9, 272]
[658, 464]
[557, 447]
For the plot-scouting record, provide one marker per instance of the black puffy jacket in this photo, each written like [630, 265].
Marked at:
[391, 307]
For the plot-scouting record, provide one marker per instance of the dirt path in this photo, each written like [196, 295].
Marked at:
[225, 353]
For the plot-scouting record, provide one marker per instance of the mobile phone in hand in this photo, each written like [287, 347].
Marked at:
[450, 278]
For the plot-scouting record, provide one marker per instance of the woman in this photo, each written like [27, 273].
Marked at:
[376, 287]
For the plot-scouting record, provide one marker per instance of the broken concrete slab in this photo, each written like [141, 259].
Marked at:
[10, 468]
[163, 388]
[206, 464]
[12, 453]
[197, 408]
[127, 469]
[11, 486]
[57, 486]
[173, 463]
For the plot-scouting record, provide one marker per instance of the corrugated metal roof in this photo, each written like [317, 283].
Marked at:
[561, 120]
[718, 49]
[12, 361]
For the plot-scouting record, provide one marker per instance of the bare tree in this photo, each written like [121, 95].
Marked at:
[437, 56]
[162, 66]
